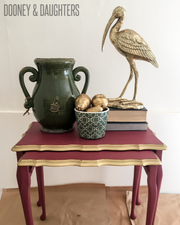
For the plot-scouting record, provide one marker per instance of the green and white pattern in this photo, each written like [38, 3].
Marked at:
[91, 125]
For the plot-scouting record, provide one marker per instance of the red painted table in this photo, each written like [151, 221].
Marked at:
[117, 148]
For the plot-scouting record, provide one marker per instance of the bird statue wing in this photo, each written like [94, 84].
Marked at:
[131, 42]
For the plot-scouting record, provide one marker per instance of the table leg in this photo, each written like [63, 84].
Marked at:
[135, 194]
[152, 195]
[159, 180]
[159, 172]
[41, 201]
[159, 177]
[24, 182]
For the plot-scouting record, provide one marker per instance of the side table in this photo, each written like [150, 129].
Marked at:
[117, 148]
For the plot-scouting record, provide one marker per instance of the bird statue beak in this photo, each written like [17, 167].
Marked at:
[111, 20]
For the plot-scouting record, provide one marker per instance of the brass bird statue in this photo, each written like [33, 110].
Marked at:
[131, 45]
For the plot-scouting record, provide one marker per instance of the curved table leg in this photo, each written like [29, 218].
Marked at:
[40, 181]
[138, 201]
[152, 194]
[135, 194]
[159, 177]
[158, 180]
[24, 182]
[159, 172]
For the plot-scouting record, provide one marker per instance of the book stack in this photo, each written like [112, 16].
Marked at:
[127, 119]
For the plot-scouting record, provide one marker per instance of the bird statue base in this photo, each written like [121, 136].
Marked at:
[121, 103]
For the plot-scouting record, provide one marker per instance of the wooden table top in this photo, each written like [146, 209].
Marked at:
[90, 158]
[36, 140]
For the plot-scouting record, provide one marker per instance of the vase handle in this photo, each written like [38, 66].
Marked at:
[77, 77]
[29, 100]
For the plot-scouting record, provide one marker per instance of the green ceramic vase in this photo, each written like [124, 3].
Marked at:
[53, 97]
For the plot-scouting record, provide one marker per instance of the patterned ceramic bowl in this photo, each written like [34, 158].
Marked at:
[91, 125]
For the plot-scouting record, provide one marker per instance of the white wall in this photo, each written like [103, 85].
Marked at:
[25, 38]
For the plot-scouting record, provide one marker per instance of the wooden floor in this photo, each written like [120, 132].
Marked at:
[88, 204]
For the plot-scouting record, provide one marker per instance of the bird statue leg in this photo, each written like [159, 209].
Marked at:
[136, 74]
[123, 91]
[130, 78]
[125, 103]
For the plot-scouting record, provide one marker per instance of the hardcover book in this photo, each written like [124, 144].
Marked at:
[126, 126]
[127, 115]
